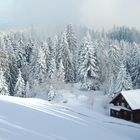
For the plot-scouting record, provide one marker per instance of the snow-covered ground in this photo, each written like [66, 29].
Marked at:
[76, 118]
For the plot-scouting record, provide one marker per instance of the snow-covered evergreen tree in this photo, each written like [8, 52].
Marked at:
[27, 57]
[3, 85]
[88, 69]
[60, 75]
[13, 75]
[52, 69]
[133, 64]
[39, 67]
[67, 60]
[72, 45]
[51, 93]
[113, 66]
[13, 70]
[4, 61]
[28, 50]
[102, 57]
[51, 48]
[114, 57]
[20, 86]
[27, 90]
[71, 39]
[51, 63]
[123, 81]
[58, 50]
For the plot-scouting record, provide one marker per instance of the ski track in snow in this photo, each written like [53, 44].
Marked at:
[46, 108]
[57, 110]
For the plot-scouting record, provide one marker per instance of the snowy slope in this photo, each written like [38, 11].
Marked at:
[36, 119]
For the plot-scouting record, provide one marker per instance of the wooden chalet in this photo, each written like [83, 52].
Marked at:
[126, 105]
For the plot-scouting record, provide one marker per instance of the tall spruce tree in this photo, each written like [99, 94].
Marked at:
[20, 86]
[113, 68]
[3, 85]
[133, 65]
[88, 69]
[72, 45]
[123, 81]
[60, 75]
[27, 90]
[67, 60]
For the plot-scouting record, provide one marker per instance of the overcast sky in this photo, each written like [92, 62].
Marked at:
[92, 13]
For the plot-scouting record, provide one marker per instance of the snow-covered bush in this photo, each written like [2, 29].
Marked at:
[51, 93]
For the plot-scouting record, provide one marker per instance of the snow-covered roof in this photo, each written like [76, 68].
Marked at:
[118, 108]
[133, 98]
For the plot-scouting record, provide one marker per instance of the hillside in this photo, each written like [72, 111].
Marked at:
[37, 119]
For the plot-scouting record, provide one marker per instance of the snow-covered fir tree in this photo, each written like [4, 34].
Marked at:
[67, 60]
[71, 39]
[13, 75]
[27, 90]
[4, 62]
[27, 58]
[51, 63]
[3, 85]
[102, 57]
[133, 64]
[72, 45]
[20, 86]
[88, 70]
[123, 81]
[58, 50]
[52, 70]
[39, 68]
[51, 93]
[8, 63]
[113, 66]
[60, 75]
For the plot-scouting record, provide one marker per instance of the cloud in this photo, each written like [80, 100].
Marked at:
[98, 13]
[107, 13]
[92, 13]
[46, 11]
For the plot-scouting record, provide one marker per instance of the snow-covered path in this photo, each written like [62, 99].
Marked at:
[37, 119]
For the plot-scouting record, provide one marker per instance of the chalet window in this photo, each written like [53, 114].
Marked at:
[123, 98]
[128, 106]
[112, 112]
[125, 113]
[123, 104]
[117, 114]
